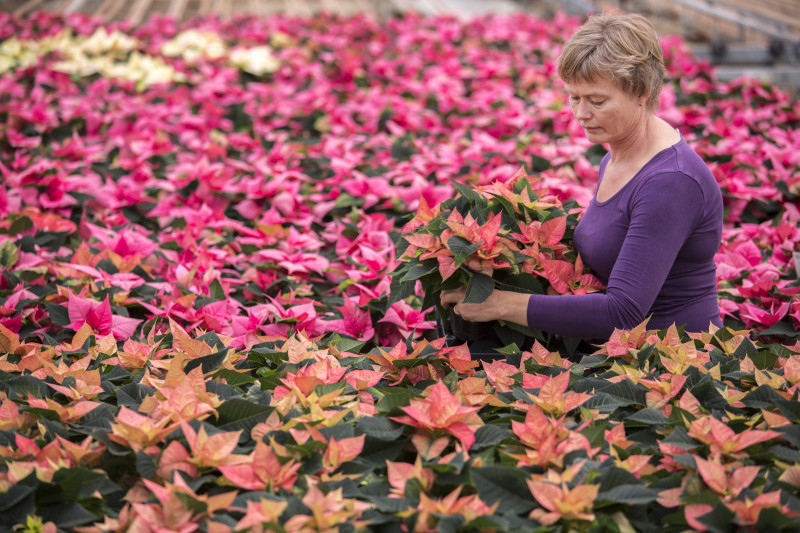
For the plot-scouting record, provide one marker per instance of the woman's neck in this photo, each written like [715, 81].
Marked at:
[646, 139]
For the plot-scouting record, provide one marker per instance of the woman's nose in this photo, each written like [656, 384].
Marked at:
[582, 110]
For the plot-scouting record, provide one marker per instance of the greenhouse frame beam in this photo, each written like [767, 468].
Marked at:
[768, 26]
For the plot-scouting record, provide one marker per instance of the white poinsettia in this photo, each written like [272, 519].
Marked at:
[257, 60]
[144, 70]
[22, 53]
[102, 42]
[194, 45]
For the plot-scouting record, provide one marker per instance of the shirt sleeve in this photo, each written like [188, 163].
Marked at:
[663, 213]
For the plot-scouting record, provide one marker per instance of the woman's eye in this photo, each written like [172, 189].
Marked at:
[596, 103]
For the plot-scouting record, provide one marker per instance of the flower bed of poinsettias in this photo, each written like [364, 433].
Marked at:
[197, 227]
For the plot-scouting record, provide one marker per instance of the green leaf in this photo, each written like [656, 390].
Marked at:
[468, 192]
[132, 395]
[772, 519]
[680, 438]
[190, 503]
[238, 414]
[628, 390]
[524, 282]
[80, 482]
[489, 435]
[719, 520]
[596, 435]
[791, 433]
[59, 315]
[461, 248]
[215, 291]
[479, 288]
[418, 271]
[234, 378]
[764, 360]
[746, 348]
[539, 163]
[145, 465]
[783, 328]
[9, 255]
[507, 205]
[24, 385]
[648, 417]
[628, 494]
[506, 485]
[394, 399]
[605, 403]
[67, 515]
[20, 225]
[13, 497]
[377, 451]
[379, 428]
[209, 363]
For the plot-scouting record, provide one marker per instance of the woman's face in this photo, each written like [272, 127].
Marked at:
[604, 111]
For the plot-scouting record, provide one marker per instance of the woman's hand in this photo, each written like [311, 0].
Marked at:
[500, 305]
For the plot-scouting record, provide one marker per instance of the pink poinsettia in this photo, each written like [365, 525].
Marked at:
[406, 319]
[355, 322]
[99, 317]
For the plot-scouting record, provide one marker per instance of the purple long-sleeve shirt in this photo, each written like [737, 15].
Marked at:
[653, 245]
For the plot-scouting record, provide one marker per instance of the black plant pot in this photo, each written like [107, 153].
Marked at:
[467, 331]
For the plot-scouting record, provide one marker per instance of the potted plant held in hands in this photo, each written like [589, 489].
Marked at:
[511, 235]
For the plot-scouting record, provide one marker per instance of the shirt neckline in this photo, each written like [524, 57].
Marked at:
[649, 162]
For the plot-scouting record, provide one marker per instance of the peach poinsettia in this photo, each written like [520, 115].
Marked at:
[723, 441]
[727, 481]
[261, 516]
[26, 457]
[626, 343]
[476, 391]
[175, 458]
[398, 474]
[562, 498]
[11, 418]
[179, 396]
[210, 451]
[263, 469]
[328, 511]
[662, 390]
[324, 372]
[545, 357]
[385, 362]
[179, 508]
[494, 249]
[336, 451]
[439, 411]
[71, 412]
[500, 374]
[546, 440]
[430, 511]
[140, 432]
[537, 197]
[135, 355]
[553, 397]
[637, 464]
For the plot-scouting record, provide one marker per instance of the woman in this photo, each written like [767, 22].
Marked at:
[651, 231]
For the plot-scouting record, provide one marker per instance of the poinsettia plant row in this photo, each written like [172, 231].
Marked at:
[198, 226]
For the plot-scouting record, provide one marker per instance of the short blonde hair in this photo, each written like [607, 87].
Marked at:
[622, 47]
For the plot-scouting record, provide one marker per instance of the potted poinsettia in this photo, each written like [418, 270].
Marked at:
[511, 235]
